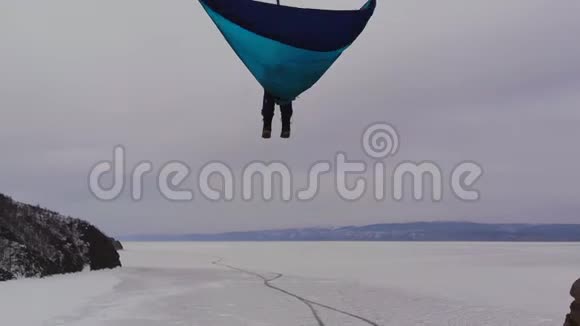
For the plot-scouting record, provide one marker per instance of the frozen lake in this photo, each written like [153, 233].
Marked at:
[308, 283]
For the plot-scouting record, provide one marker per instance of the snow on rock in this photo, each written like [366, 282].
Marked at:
[117, 244]
[36, 242]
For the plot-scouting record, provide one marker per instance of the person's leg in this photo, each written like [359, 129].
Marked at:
[287, 111]
[267, 114]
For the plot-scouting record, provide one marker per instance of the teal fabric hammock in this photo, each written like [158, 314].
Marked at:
[287, 49]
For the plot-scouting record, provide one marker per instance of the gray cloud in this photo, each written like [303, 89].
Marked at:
[497, 82]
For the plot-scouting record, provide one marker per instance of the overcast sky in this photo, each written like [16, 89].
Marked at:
[496, 82]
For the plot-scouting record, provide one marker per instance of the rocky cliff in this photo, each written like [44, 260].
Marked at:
[36, 242]
[573, 318]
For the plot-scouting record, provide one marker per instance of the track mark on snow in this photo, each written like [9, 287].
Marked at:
[309, 303]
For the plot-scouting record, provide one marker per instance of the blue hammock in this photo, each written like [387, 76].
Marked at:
[287, 49]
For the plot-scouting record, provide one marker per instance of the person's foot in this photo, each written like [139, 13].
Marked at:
[285, 128]
[267, 127]
[266, 133]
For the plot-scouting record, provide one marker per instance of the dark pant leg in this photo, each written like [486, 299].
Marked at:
[286, 110]
[268, 109]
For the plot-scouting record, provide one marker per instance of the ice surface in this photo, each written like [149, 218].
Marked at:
[330, 283]
[36, 301]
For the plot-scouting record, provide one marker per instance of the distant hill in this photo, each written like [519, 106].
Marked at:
[420, 231]
[36, 242]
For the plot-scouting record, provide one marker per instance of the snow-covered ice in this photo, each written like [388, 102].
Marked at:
[307, 283]
[41, 301]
